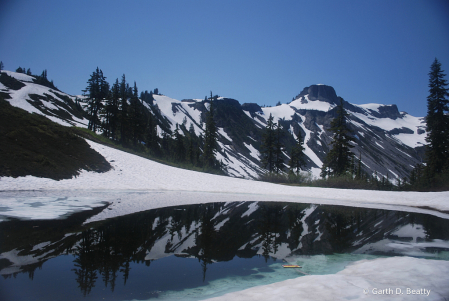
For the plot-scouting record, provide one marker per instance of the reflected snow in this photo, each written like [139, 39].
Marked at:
[203, 250]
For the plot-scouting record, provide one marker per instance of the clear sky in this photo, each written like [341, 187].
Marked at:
[253, 51]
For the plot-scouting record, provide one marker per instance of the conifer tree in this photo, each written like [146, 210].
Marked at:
[112, 108]
[268, 145]
[97, 90]
[416, 176]
[1, 65]
[278, 149]
[437, 151]
[297, 157]
[166, 144]
[137, 125]
[179, 151]
[338, 159]
[124, 122]
[151, 137]
[191, 148]
[210, 138]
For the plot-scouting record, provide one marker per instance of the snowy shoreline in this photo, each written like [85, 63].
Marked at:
[140, 176]
[393, 278]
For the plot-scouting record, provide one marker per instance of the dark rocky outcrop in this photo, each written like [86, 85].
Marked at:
[252, 108]
[320, 92]
[401, 130]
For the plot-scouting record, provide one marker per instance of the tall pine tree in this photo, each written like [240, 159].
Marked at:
[124, 120]
[136, 117]
[278, 149]
[179, 151]
[267, 148]
[297, 156]
[151, 137]
[437, 151]
[338, 159]
[192, 147]
[96, 92]
[210, 138]
[112, 108]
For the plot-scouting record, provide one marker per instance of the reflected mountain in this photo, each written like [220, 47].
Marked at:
[217, 232]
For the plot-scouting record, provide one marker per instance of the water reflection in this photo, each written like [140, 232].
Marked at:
[107, 251]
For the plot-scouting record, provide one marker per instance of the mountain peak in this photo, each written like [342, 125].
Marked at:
[320, 92]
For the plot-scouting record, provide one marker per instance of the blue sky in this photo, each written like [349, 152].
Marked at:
[253, 51]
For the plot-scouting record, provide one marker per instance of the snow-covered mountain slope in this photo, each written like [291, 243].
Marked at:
[388, 141]
[35, 98]
[236, 152]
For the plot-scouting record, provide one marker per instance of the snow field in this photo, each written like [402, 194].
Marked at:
[406, 121]
[394, 278]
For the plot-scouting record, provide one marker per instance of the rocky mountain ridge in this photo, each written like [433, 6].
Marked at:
[388, 141]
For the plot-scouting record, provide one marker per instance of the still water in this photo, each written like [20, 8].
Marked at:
[202, 251]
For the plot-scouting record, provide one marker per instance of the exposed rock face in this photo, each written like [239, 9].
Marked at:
[320, 92]
[252, 108]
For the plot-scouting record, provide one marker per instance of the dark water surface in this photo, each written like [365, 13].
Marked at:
[199, 251]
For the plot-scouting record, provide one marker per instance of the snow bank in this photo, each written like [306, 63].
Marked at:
[394, 278]
[143, 184]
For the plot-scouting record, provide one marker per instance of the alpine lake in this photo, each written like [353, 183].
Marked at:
[194, 252]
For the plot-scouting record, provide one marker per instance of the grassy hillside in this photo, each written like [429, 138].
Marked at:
[31, 144]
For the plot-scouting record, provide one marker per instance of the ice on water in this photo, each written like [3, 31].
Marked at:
[44, 207]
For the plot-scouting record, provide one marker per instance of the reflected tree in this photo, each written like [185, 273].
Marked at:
[205, 238]
[269, 230]
[85, 263]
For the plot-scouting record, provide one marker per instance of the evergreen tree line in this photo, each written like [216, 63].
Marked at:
[272, 153]
[38, 79]
[120, 114]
